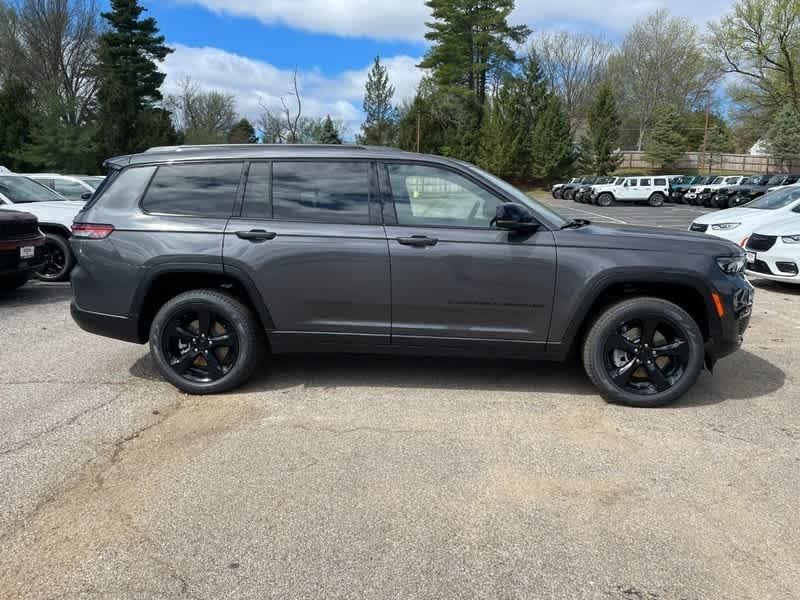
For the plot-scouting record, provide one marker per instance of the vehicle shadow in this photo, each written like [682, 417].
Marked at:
[34, 293]
[739, 377]
[778, 287]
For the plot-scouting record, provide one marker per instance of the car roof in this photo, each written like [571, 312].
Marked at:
[166, 154]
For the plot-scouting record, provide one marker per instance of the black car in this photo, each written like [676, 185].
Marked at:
[678, 190]
[723, 197]
[584, 192]
[217, 255]
[748, 193]
[568, 191]
[21, 248]
[678, 184]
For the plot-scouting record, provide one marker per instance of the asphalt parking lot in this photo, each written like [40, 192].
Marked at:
[380, 477]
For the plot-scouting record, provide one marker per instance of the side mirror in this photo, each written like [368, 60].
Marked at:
[86, 195]
[514, 217]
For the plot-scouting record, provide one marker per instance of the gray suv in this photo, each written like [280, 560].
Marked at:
[217, 254]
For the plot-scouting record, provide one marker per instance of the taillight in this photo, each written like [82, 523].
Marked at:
[91, 231]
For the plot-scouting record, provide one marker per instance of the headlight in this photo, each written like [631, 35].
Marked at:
[724, 226]
[731, 264]
[791, 239]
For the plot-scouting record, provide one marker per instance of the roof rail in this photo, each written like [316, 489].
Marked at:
[190, 147]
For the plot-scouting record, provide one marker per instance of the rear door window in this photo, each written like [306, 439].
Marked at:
[194, 190]
[322, 191]
[644, 182]
[257, 202]
[660, 182]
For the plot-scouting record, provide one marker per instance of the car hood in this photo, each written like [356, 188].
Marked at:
[654, 239]
[58, 211]
[741, 213]
[786, 226]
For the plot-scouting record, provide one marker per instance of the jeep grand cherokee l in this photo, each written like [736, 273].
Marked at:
[215, 254]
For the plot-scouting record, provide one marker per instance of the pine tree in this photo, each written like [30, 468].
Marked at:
[380, 125]
[129, 81]
[328, 133]
[500, 132]
[531, 93]
[471, 41]
[783, 135]
[667, 142]
[16, 122]
[599, 144]
[243, 133]
[552, 153]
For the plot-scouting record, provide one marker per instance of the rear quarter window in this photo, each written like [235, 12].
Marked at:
[122, 190]
[660, 182]
[194, 190]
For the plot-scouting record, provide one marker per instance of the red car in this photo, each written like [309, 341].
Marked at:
[21, 248]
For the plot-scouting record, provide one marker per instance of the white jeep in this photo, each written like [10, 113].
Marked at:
[55, 215]
[653, 190]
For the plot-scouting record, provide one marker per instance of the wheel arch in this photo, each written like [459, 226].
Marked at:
[56, 228]
[167, 281]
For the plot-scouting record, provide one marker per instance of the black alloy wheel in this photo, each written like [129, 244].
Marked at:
[200, 345]
[58, 260]
[646, 356]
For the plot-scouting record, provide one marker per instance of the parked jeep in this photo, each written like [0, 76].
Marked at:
[216, 255]
[21, 248]
[584, 192]
[568, 191]
[652, 190]
[748, 193]
[723, 197]
[678, 191]
[558, 189]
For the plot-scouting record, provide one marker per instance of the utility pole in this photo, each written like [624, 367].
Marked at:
[705, 133]
[419, 117]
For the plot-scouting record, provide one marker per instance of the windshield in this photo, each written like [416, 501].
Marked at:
[718, 180]
[776, 199]
[521, 197]
[21, 190]
[745, 181]
[776, 180]
[732, 180]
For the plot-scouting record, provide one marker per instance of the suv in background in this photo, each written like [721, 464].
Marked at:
[584, 192]
[652, 190]
[215, 254]
[21, 248]
[748, 193]
[558, 189]
[55, 215]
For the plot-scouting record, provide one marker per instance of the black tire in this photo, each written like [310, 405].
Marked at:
[605, 199]
[9, 283]
[243, 352]
[58, 259]
[651, 384]
[569, 195]
[557, 193]
[656, 199]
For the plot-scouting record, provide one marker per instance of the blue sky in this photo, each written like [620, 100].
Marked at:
[250, 47]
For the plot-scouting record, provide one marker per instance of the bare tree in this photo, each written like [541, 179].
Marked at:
[661, 63]
[205, 117]
[57, 40]
[574, 64]
[284, 125]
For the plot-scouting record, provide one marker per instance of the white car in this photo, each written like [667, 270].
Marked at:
[773, 251]
[55, 214]
[736, 224]
[653, 190]
[69, 186]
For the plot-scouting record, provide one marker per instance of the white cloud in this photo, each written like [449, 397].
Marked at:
[254, 82]
[405, 19]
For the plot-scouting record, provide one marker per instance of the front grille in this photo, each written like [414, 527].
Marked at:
[759, 267]
[699, 227]
[18, 228]
[761, 243]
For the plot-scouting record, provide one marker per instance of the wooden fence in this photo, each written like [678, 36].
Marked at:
[743, 163]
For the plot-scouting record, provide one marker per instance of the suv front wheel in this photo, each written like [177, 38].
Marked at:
[644, 352]
[205, 342]
[656, 199]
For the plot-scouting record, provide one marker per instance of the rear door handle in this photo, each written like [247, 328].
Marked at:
[256, 235]
[419, 241]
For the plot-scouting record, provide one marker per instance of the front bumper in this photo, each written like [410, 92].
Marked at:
[11, 261]
[779, 263]
[727, 331]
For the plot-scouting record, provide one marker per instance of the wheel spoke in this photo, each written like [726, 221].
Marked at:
[184, 362]
[220, 341]
[181, 333]
[649, 327]
[656, 376]
[215, 370]
[678, 348]
[204, 322]
[618, 341]
[623, 375]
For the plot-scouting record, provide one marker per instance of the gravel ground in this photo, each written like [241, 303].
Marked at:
[364, 477]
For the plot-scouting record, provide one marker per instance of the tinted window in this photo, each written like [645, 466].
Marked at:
[659, 182]
[124, 189]
[438, 197]
[327, 192]
[198, 190]
[644, 182]
[256, 192]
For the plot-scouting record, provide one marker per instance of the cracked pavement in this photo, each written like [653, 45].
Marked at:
[378, 477]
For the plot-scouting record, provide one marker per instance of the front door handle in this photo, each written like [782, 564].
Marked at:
[419, 241]
[256, 235]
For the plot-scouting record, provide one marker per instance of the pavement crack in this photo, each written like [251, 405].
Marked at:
[337, 431]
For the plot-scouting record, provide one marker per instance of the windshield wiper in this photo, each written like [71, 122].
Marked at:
[576, 224]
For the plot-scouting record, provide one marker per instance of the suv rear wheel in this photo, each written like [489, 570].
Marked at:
[644, 352]
[656, 199]
[205, 342]
[605, 199]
